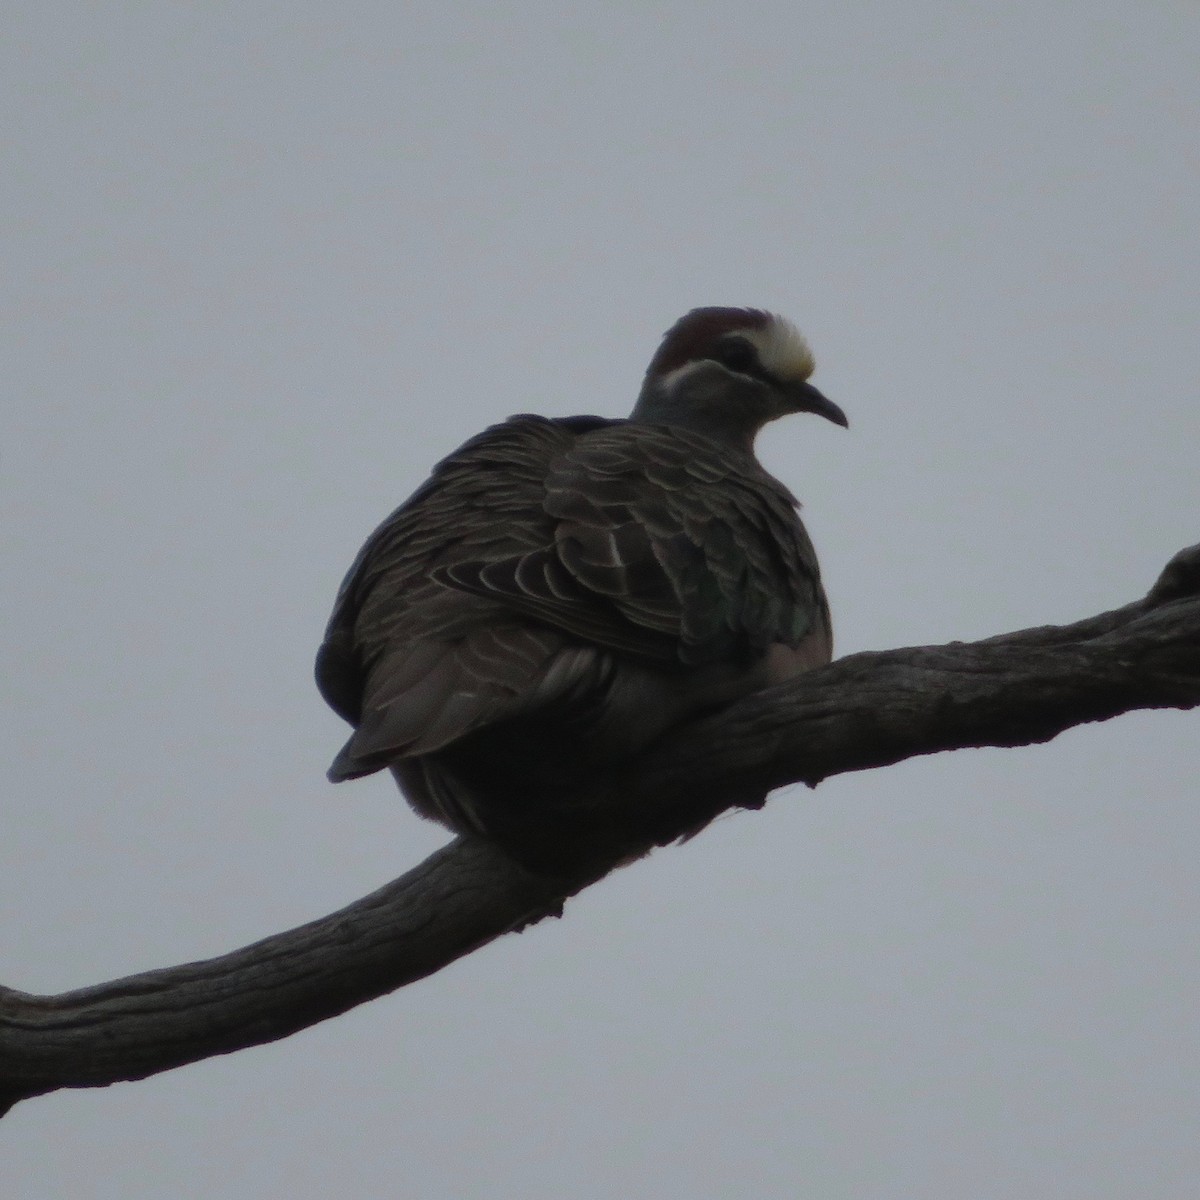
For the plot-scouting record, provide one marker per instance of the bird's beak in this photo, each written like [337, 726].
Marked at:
[806, 398]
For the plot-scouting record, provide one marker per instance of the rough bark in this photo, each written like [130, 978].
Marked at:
[864, 711]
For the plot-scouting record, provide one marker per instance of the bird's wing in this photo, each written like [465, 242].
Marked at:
[665, 546]
[415, 664]
[537, 548]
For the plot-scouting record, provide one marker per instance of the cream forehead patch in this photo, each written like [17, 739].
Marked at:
[782, 349]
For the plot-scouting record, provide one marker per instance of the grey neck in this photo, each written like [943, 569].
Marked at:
[706, 405]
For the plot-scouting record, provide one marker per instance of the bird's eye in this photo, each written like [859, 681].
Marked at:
[735, 353]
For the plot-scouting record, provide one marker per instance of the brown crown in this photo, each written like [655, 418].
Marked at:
[692, 335]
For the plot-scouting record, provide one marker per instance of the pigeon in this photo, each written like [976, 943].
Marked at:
[562, 592]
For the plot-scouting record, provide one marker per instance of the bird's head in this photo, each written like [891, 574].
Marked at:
[727, 372]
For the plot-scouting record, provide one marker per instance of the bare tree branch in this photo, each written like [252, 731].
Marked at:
[864, 711]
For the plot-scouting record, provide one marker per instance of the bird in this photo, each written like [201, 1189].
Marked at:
[563, 591]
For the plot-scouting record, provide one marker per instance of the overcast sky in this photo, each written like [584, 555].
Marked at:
[264, 264]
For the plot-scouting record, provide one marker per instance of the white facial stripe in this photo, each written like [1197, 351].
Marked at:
[782, 350]
[671, 378]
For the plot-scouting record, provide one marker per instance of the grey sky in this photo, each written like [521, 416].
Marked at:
[265, 263]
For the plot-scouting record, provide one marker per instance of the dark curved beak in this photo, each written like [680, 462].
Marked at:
[807, 399]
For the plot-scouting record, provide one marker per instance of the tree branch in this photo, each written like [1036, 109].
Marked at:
[864, 711]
